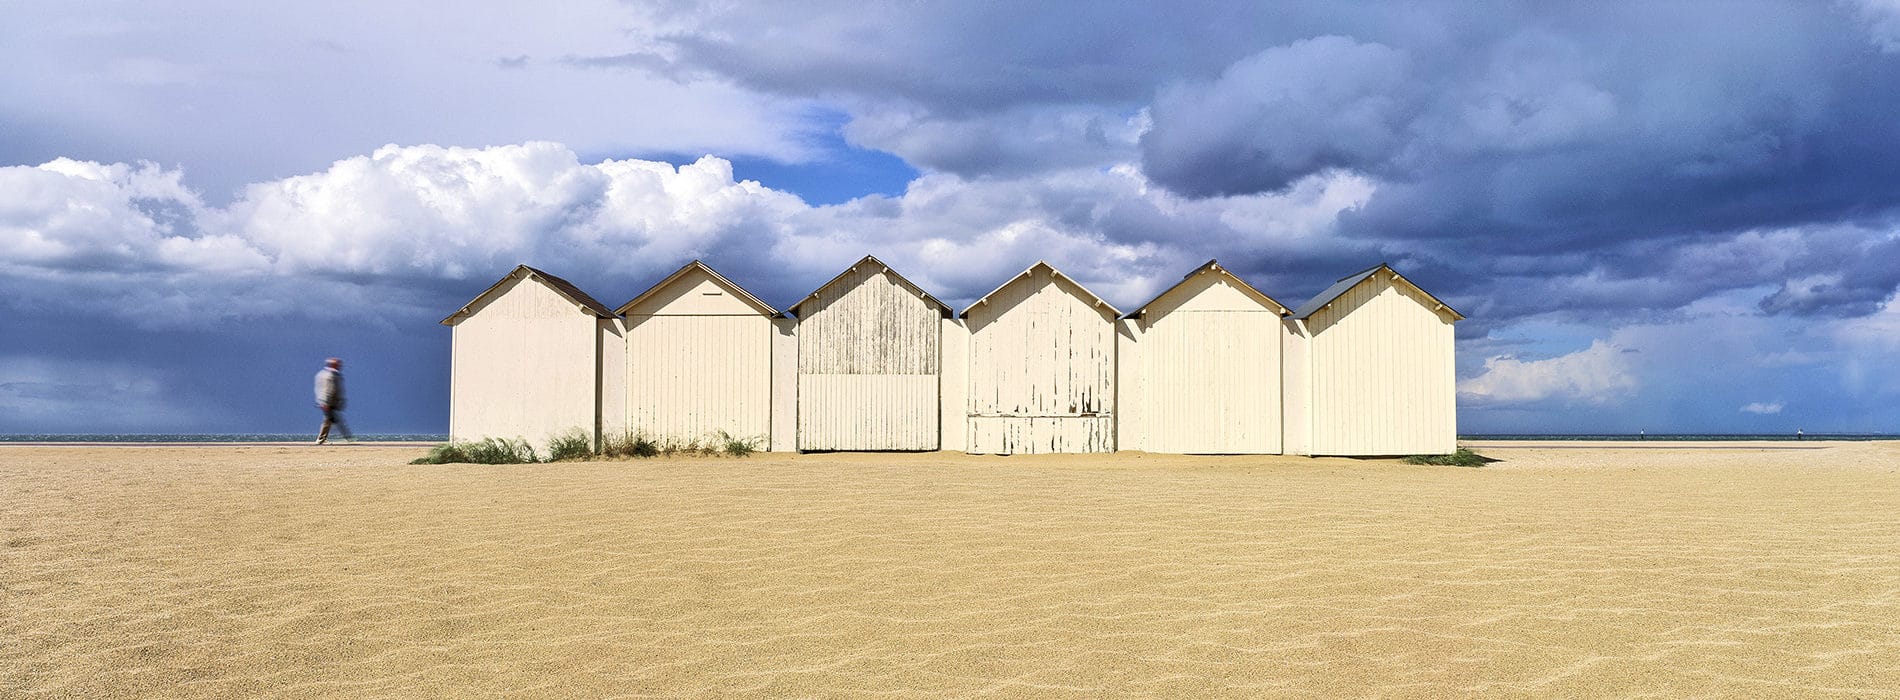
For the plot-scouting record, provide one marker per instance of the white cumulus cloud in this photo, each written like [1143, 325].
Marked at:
[1762, 408]
[1597, 374]
[405, 226]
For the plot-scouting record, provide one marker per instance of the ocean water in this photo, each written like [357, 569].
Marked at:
[1694, 437]
[211, 437]
[425, 437]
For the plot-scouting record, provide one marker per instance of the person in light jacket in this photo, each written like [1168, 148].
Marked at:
[330, 400]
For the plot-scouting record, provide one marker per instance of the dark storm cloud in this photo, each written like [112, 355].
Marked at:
[1545, 140]
[1680, 124]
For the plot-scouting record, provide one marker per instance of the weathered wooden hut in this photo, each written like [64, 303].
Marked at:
[1041, 367]
[1200, 368]
[1373, 373]
[699, 359]
[869, 362]
[525, 360]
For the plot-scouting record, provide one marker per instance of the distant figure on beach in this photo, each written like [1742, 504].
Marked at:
[1642, 434]
[1797, 433]
[330, 400]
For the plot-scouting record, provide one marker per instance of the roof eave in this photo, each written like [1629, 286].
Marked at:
[765, 309]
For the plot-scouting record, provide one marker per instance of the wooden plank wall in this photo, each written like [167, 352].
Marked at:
[1382, 374]
[869, 354]
[1042, 369]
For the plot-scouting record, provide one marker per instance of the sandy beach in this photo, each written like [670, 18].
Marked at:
[1566, 570]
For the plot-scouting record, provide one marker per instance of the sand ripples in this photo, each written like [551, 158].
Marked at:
[239, 571]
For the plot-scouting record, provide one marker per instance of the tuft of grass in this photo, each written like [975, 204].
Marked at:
[1462, 458]
[734, 446]
[630, 445]
[484, 451]
[573, 444]
[673, 447]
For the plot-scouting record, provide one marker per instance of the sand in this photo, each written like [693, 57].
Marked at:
[342, 571]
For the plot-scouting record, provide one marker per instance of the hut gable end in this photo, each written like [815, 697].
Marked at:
[1042, 367]
[869, 355]
[696, 290]
[1209, 287]
[1039, 275]
[869, 320]
[1377, 274]
[563, 289]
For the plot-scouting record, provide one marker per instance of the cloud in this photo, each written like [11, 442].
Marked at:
[1762, 409]
[1598, 374]
[1579, 157]
[1010, 143]
[1281, 115]
[242, 93]
[39, 394]
[1882, 19]
[405, 228]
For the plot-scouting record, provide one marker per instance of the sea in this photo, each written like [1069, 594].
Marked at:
[432, 438]
[1693, 437]
[211, 437]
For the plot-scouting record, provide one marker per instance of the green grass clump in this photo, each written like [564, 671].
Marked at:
[734, 446]
[484, 451]
[630, 445]
[1462, 458]
[573, 444]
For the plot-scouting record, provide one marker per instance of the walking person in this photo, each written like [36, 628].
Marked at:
[330, 400]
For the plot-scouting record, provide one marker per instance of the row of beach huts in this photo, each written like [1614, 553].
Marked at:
[871, 361]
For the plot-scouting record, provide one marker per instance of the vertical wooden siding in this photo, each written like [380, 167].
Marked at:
[954, 384]
[612, 358]
[1208, 382]
[1042, 370]
[1382, 374]
[1202, 372]
[523, 366]
[690, 376]
[784, 385]
[869, 353]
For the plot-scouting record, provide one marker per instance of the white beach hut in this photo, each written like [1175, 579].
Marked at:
[869, 362]
[525, 360]
[1200, 368]
[1373, 371]
[1041, 367]
[699, 359]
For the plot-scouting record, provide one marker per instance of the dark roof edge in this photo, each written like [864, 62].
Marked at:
[1339, 288]
[871, 259]
[560, 286]
[1210, 265]
[744, 294]
[1099, 301]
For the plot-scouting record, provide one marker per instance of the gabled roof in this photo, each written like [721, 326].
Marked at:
[560, 286]
[738, 291]
[1209, 266]
[1053, 272]
[872, 260]
[1314, 304]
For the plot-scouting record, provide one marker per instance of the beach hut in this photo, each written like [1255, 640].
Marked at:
[1374, 370]
[1200, 368]
[699, 359]
[869, 362]
[1041, 367]
[525, 360]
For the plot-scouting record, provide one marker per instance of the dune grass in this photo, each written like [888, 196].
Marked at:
[574, 444]
[1462, 458]
[571, 445]
[484, 451]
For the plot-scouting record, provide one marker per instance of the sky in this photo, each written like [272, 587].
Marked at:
[1670, 217]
